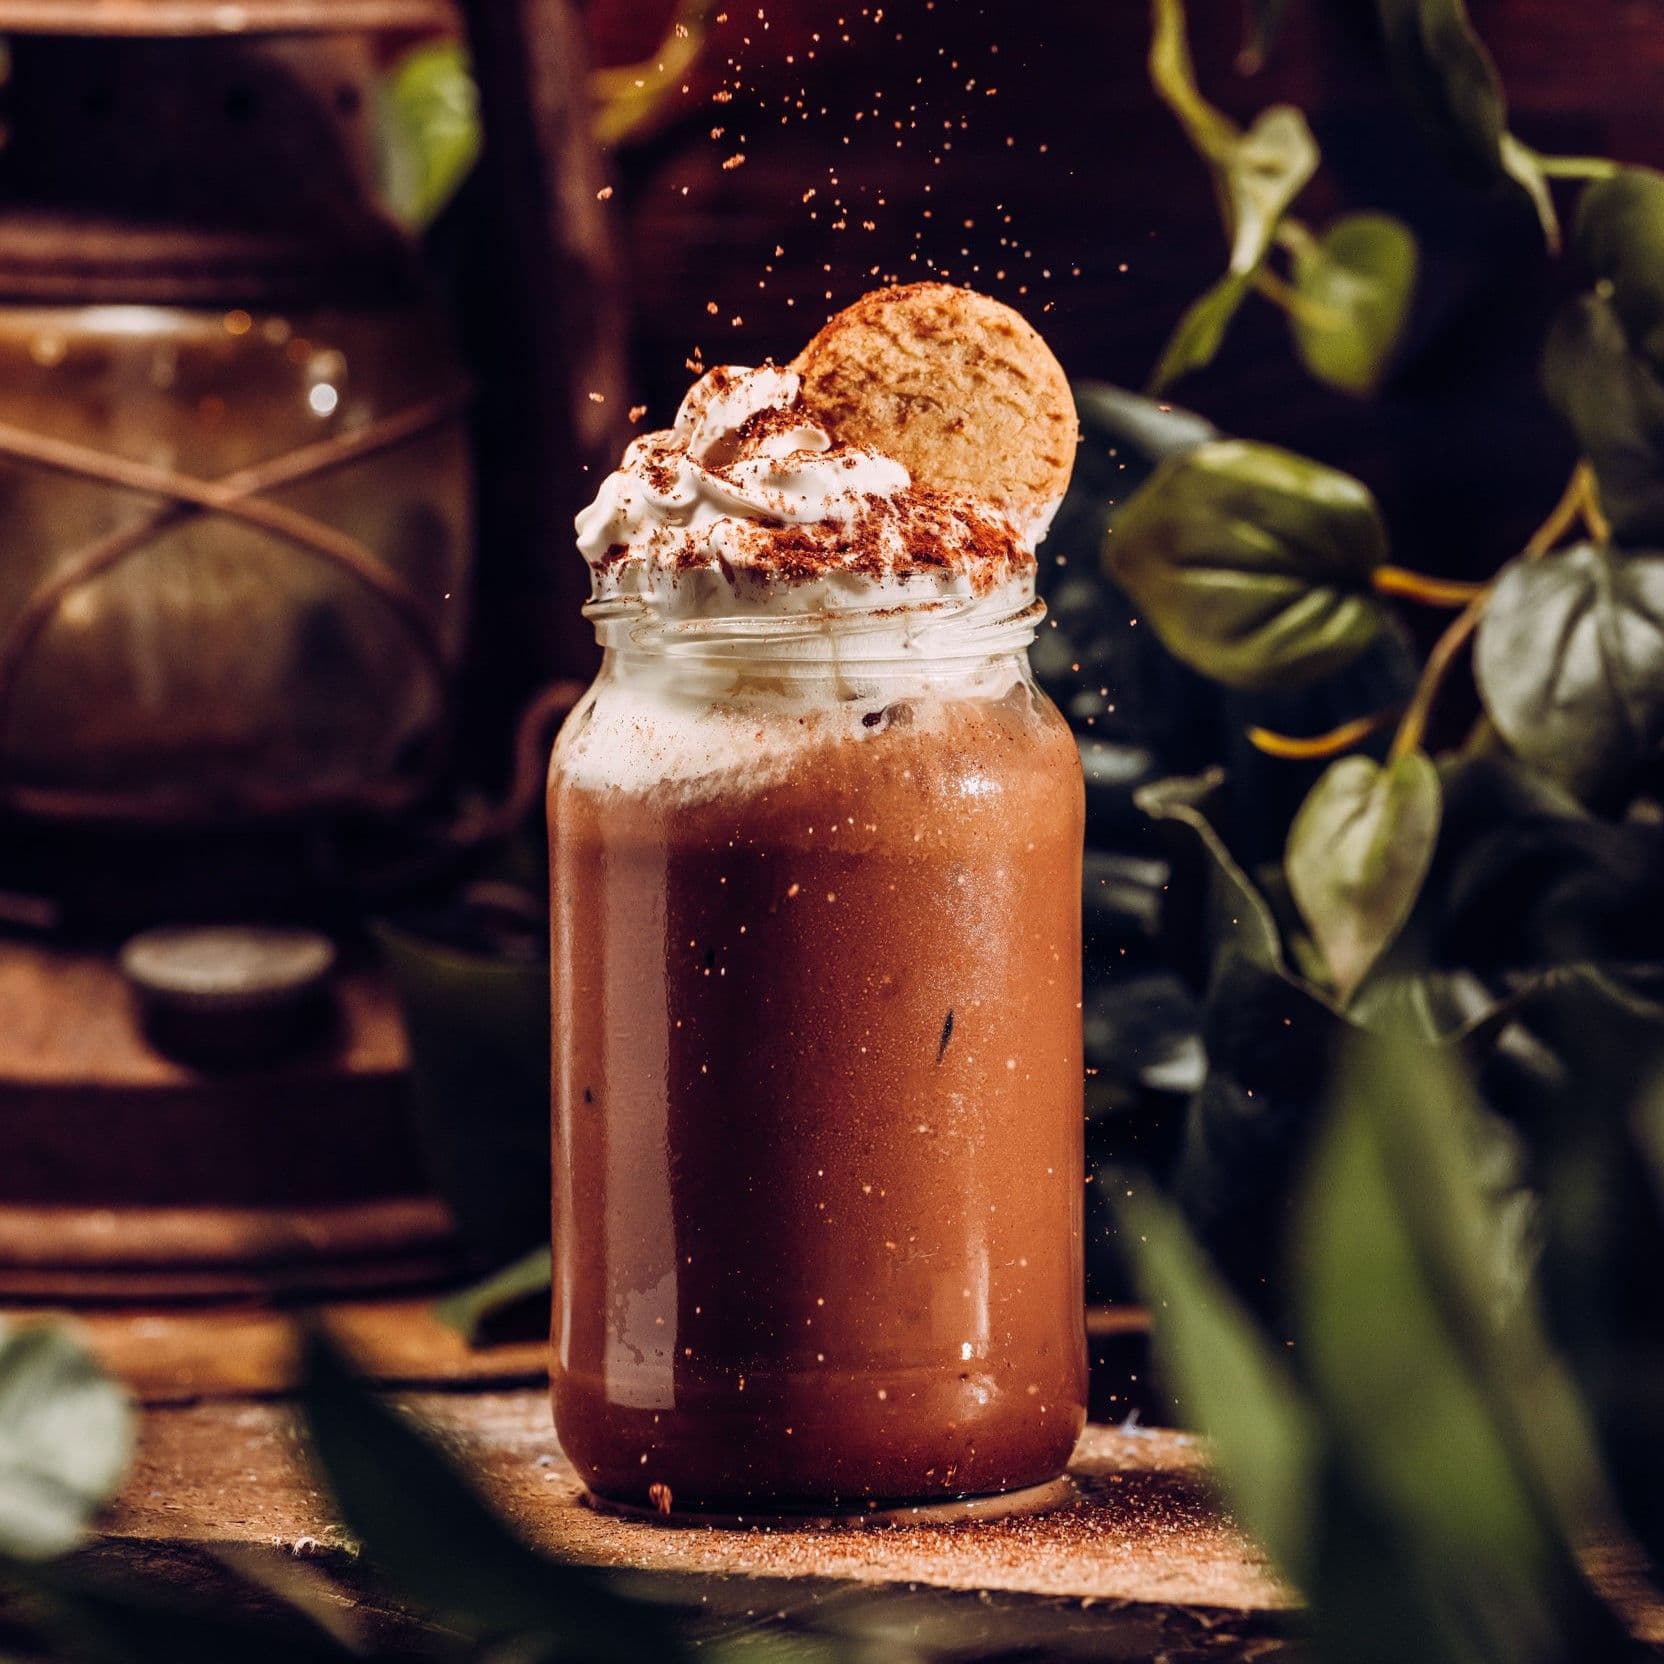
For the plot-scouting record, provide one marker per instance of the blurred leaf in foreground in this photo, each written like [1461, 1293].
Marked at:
[437, 1543]
[1232, 1384]
[1455, 1437]
[66, 1433]
[1412, 1457]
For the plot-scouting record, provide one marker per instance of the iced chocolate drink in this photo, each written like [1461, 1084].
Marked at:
[815, 860]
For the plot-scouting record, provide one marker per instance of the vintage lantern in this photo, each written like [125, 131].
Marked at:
[234, 487]
[235, 508]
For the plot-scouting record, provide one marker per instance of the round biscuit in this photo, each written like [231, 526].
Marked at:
[957, 387]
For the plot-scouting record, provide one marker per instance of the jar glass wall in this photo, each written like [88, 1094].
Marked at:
[817, 1066]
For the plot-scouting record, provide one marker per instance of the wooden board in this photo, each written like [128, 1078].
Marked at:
[127, 1174]
[171, 1356]
[1144, 1531]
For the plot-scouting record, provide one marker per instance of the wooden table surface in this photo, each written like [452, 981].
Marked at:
[1142, 1565]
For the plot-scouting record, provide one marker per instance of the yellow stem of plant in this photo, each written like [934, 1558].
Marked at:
[1577, 167]
[1296, 304]
[1573, 505]
[1417, 586]
[1297, 748]
[1594, 517]
[1295, 235]
[627, 96]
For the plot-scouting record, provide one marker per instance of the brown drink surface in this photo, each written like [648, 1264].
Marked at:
[818, 1133]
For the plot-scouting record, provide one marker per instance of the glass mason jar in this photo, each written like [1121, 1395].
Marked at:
[817, 1062]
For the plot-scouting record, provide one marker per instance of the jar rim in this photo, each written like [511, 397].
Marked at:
[910, 629]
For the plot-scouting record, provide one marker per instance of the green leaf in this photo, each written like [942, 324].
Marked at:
[66, 1433]
[436, 1541]
[470, 1310]
[1455, 1427]
[1569, 659]
[1620, 236]
[1268, 168]
[428, 131]
[1113, 417]
[1614, 403]
[1587, 1093]
[1446, 75]
[1252, 564]
[1257, 175]
[1357, 279]
[1230, 1383]
[1200, 332]
[1357, 853]
[1247, 921]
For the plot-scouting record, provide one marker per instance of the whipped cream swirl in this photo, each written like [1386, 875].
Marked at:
[747, 500]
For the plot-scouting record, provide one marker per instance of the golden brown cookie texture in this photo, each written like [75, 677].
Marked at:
[957, 387]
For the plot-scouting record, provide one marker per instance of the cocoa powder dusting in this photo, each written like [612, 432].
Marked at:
[916, 530]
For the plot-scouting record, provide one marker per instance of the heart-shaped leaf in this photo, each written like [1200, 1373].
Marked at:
[1252, 564]
[1447, 77]
[1613, 400]
[1357, 853]
[1357, 278]
[66, 1431]
[1569, 659]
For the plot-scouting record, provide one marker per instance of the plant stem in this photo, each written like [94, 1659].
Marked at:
[1296, 304]
[1577, 167]
[1298, 748]
[1417, 586]
[1573, 503]
[1295, 236]
[1594, 516]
